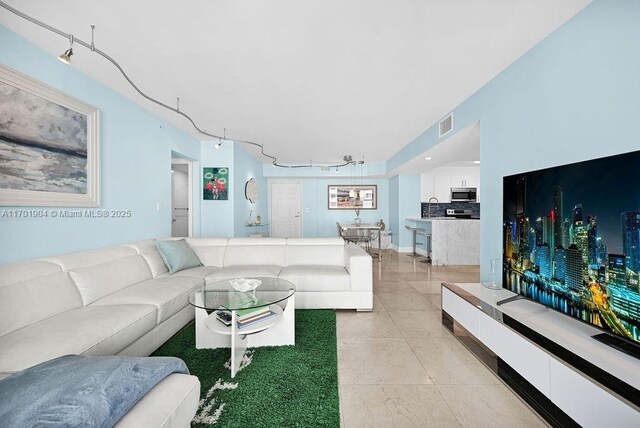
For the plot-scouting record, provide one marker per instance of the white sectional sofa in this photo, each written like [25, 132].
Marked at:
[102, 302]
[326, 272]
[122, 301]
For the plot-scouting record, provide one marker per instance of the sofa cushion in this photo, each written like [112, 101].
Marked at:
[90, 330]
[168, 294]
[255, 251]
[25, 303]
[315, 251]
[171, 404]
[148, 250]
[317, 277]
[210, 251]
[22, 282]
[91, 257]
[177, 255]
[24, 271]
[97, 281]
[248, 271]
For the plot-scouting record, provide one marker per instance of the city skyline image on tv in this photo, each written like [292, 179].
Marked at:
[571, 240]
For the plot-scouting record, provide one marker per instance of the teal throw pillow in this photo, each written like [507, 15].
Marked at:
[177, 255]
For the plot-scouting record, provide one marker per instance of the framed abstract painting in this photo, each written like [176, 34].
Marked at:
[215, 184]
[49, 145]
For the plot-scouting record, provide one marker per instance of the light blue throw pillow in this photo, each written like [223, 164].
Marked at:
[177, 255]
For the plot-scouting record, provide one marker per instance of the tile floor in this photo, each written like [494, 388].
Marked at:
[399, 367]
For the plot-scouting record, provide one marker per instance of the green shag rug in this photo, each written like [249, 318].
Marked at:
[281, 386]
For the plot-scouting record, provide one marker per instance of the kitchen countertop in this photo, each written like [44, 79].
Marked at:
[439, 219]
[454, 241]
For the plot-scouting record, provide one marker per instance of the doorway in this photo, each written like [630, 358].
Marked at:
[285, 209]
[181, 198]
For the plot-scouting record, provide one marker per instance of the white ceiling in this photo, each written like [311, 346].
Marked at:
[311, 80]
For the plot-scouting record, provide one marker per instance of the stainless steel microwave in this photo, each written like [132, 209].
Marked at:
[464, 194]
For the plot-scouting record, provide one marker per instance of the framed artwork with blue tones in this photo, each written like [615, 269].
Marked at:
[49, 145]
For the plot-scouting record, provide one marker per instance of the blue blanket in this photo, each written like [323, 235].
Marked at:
[74, 390]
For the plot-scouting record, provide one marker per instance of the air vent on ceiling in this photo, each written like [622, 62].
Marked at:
[445, 125]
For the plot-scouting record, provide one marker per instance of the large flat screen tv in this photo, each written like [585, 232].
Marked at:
[571, 241]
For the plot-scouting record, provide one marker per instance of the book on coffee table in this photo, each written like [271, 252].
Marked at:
[255, 320]
[247, 306]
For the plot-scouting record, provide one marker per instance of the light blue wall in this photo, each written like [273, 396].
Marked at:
[404, 201]
[394, 213]
[367, 169]
[135, 163]
[320, 221]
[574, 96]
[246, 167]
[218, 217]
[408, 206]
[326, 218]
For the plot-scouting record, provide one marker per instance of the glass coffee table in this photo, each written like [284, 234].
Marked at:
[274, 296]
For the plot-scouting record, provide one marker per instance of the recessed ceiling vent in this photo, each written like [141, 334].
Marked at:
[445, 125]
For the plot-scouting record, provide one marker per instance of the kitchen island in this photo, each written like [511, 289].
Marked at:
[454, 241]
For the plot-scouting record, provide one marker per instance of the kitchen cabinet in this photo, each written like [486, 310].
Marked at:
[438, 183]
[470, 180]
[442, 188]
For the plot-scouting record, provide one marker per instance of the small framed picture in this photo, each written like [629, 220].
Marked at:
[351, 197]
[215, 184]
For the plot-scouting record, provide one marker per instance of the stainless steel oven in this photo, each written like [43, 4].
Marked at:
[464, 194]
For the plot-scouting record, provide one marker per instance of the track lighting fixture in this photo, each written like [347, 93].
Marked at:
[220, 140]
[66, 56]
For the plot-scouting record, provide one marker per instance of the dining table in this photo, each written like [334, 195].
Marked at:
[346, 227]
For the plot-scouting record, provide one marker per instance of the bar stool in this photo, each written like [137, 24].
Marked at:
[414, 232]
[427, 242]
[427, 245]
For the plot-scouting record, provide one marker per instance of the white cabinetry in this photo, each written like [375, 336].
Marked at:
[470, 180]
[441, 188]
[583, 399]
[438, 183]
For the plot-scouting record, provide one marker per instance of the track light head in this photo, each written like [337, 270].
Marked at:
[217, 145]
[66, 56]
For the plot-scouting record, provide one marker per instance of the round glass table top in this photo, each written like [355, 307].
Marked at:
[221, 294]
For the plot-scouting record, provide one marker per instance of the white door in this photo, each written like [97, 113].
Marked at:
[286, 210]
[179, 200]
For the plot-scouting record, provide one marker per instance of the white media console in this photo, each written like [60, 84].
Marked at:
[548, 358]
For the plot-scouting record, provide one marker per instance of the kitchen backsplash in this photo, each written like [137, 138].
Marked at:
[439, 210]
